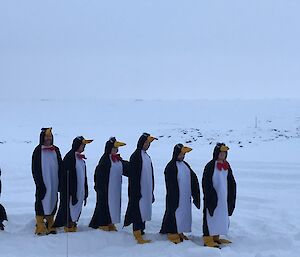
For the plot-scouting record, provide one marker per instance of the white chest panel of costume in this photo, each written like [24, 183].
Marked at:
[75, 210]
[218, 224]
[50, 178]
[183, 213]
[146, 188]
[114, 191]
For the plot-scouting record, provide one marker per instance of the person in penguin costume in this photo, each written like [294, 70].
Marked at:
[140, 188]
[108, 186]
[74, 191]
[3, 215]
[219, 189]
[181, 185]
[46, 171]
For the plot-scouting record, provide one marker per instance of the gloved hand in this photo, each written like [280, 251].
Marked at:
[41, 192]
[74, 200]
[211, 212]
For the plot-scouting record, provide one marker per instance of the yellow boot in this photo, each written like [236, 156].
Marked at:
[71, 228]
[50, 222]
[219, 240]
[175, 238]
[40, 228]
[139, 238]
[112, 227]
[66, 229]
[74, 229]
[183, 236]
[104, 228]
[209, 241]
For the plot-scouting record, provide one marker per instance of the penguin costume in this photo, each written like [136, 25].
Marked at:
[181, 185]
[46, 171]
[140, 188]
[74, 191]
[3, 215]
[108, 186]
[219, 189]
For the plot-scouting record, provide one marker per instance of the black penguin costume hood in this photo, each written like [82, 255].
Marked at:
[48, 132]
[220, 147]
[143, 138]
[78, 141]
[180, 148]
[112, 143]
[109, 145]
[169, 224]
[176, 151]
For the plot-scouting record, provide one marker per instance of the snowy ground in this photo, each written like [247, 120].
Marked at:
[264, 138]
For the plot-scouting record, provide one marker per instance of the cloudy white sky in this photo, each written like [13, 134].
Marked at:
[149, 49]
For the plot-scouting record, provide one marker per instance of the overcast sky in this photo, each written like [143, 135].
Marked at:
[149, 49]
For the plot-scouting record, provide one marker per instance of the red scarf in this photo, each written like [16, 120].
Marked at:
[50, 148]
[116, 157]
[80, 156]
[222, 165]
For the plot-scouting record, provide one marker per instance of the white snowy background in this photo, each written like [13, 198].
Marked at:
[193, 72]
